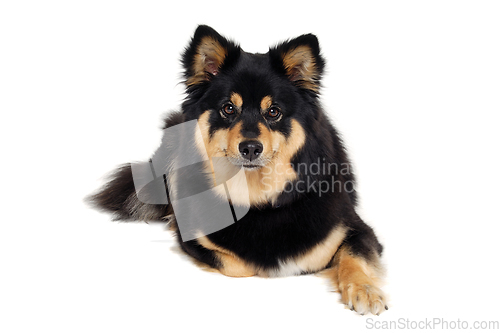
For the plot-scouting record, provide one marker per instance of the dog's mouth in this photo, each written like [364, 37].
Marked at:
[251, 166]
[246, 164]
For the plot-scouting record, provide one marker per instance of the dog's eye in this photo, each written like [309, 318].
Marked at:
[228, 109]
[274, 112]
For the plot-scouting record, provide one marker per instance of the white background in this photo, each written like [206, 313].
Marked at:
[412, 86]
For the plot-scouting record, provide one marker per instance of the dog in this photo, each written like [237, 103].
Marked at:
[251, 175]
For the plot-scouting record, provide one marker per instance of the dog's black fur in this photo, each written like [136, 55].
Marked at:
[227, 90]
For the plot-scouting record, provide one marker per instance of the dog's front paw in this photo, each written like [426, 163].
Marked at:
[363, 298]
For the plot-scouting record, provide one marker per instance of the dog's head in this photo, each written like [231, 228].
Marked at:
[253, 110]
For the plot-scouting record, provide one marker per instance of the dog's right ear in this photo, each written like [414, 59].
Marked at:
[206, 55]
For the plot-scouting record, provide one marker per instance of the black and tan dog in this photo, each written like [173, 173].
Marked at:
[258, 115]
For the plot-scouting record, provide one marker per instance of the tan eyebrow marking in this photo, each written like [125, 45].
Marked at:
[236, 99]
[266, 103]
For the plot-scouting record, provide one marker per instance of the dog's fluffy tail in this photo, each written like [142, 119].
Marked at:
[118, 196]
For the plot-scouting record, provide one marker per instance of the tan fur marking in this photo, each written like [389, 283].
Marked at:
[232, 265]
[300, 65]
[358, 282]
[217, 144]
[236, 99]
[266, 103]
[210, 54]
[319, 256]
[199, 138]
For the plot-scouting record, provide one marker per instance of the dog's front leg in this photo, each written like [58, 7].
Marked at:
[358, 281]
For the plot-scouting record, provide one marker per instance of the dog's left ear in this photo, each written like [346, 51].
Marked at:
[206, 55]
[300, 60]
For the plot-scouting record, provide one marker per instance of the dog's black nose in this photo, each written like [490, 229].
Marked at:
[250, 149]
